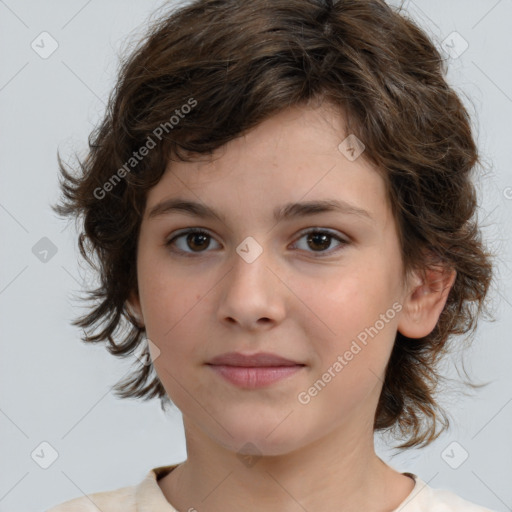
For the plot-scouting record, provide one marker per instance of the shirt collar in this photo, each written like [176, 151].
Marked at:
[148, 495]
[150, 498]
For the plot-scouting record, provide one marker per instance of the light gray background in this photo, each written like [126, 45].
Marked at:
[57, 390]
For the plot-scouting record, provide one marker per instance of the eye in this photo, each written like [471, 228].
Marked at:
[321, 239]
[199, 240]
[193, 238]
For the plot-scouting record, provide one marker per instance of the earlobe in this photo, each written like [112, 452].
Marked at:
[425, 302]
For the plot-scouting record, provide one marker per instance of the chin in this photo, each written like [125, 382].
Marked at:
[263, 440]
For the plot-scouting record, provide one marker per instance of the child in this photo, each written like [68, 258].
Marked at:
[315, 153]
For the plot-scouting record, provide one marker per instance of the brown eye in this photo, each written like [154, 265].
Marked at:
[190, 241]
[193, 242]
[198, 241]
[319, 241]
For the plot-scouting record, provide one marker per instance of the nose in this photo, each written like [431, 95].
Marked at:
[252, 295]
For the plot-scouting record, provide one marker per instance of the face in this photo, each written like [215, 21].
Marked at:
[321, 288]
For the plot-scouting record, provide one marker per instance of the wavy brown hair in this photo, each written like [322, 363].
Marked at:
[239, 63]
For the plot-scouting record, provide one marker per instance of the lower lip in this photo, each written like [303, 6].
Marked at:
[255, 377]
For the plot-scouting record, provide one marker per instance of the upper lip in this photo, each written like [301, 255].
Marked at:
[261, 359]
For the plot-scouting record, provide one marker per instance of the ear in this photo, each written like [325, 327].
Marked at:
[133, 306]
[425, 301]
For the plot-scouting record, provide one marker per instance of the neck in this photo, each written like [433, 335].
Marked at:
[336, 472]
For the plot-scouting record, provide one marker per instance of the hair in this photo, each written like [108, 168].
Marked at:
[211, 70]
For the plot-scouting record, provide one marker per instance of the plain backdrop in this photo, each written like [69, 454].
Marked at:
[62, 431]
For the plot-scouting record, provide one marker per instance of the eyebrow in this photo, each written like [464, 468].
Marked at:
[288, 211]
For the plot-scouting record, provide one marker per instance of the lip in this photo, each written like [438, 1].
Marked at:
[255, 370]
[260, 359]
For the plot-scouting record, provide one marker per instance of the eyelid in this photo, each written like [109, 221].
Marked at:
[186, 231]
[330, 231]
[342, 239]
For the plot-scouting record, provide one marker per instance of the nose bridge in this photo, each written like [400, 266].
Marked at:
[251, 267]
[251, 289]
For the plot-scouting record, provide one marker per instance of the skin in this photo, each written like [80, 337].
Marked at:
[291, 301]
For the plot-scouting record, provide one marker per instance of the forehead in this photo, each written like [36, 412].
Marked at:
[294, 156]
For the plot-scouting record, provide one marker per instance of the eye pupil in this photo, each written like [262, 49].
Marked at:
[321, 238]
[195, 236]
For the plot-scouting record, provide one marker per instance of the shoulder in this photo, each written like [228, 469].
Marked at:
[118, 500]
[451, 502]
[425, 498]
[146, 494]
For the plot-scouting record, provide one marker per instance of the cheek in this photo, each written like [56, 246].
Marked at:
[348, 299]
[355, 312]
[172, 301]
[172, 323]
[351, 354]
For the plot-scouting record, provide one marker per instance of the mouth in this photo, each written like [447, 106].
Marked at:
[253, 371]
[261, 359]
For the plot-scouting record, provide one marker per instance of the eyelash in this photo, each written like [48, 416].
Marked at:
[317, 254]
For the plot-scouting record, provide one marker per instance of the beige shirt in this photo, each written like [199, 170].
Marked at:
[148, 497]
